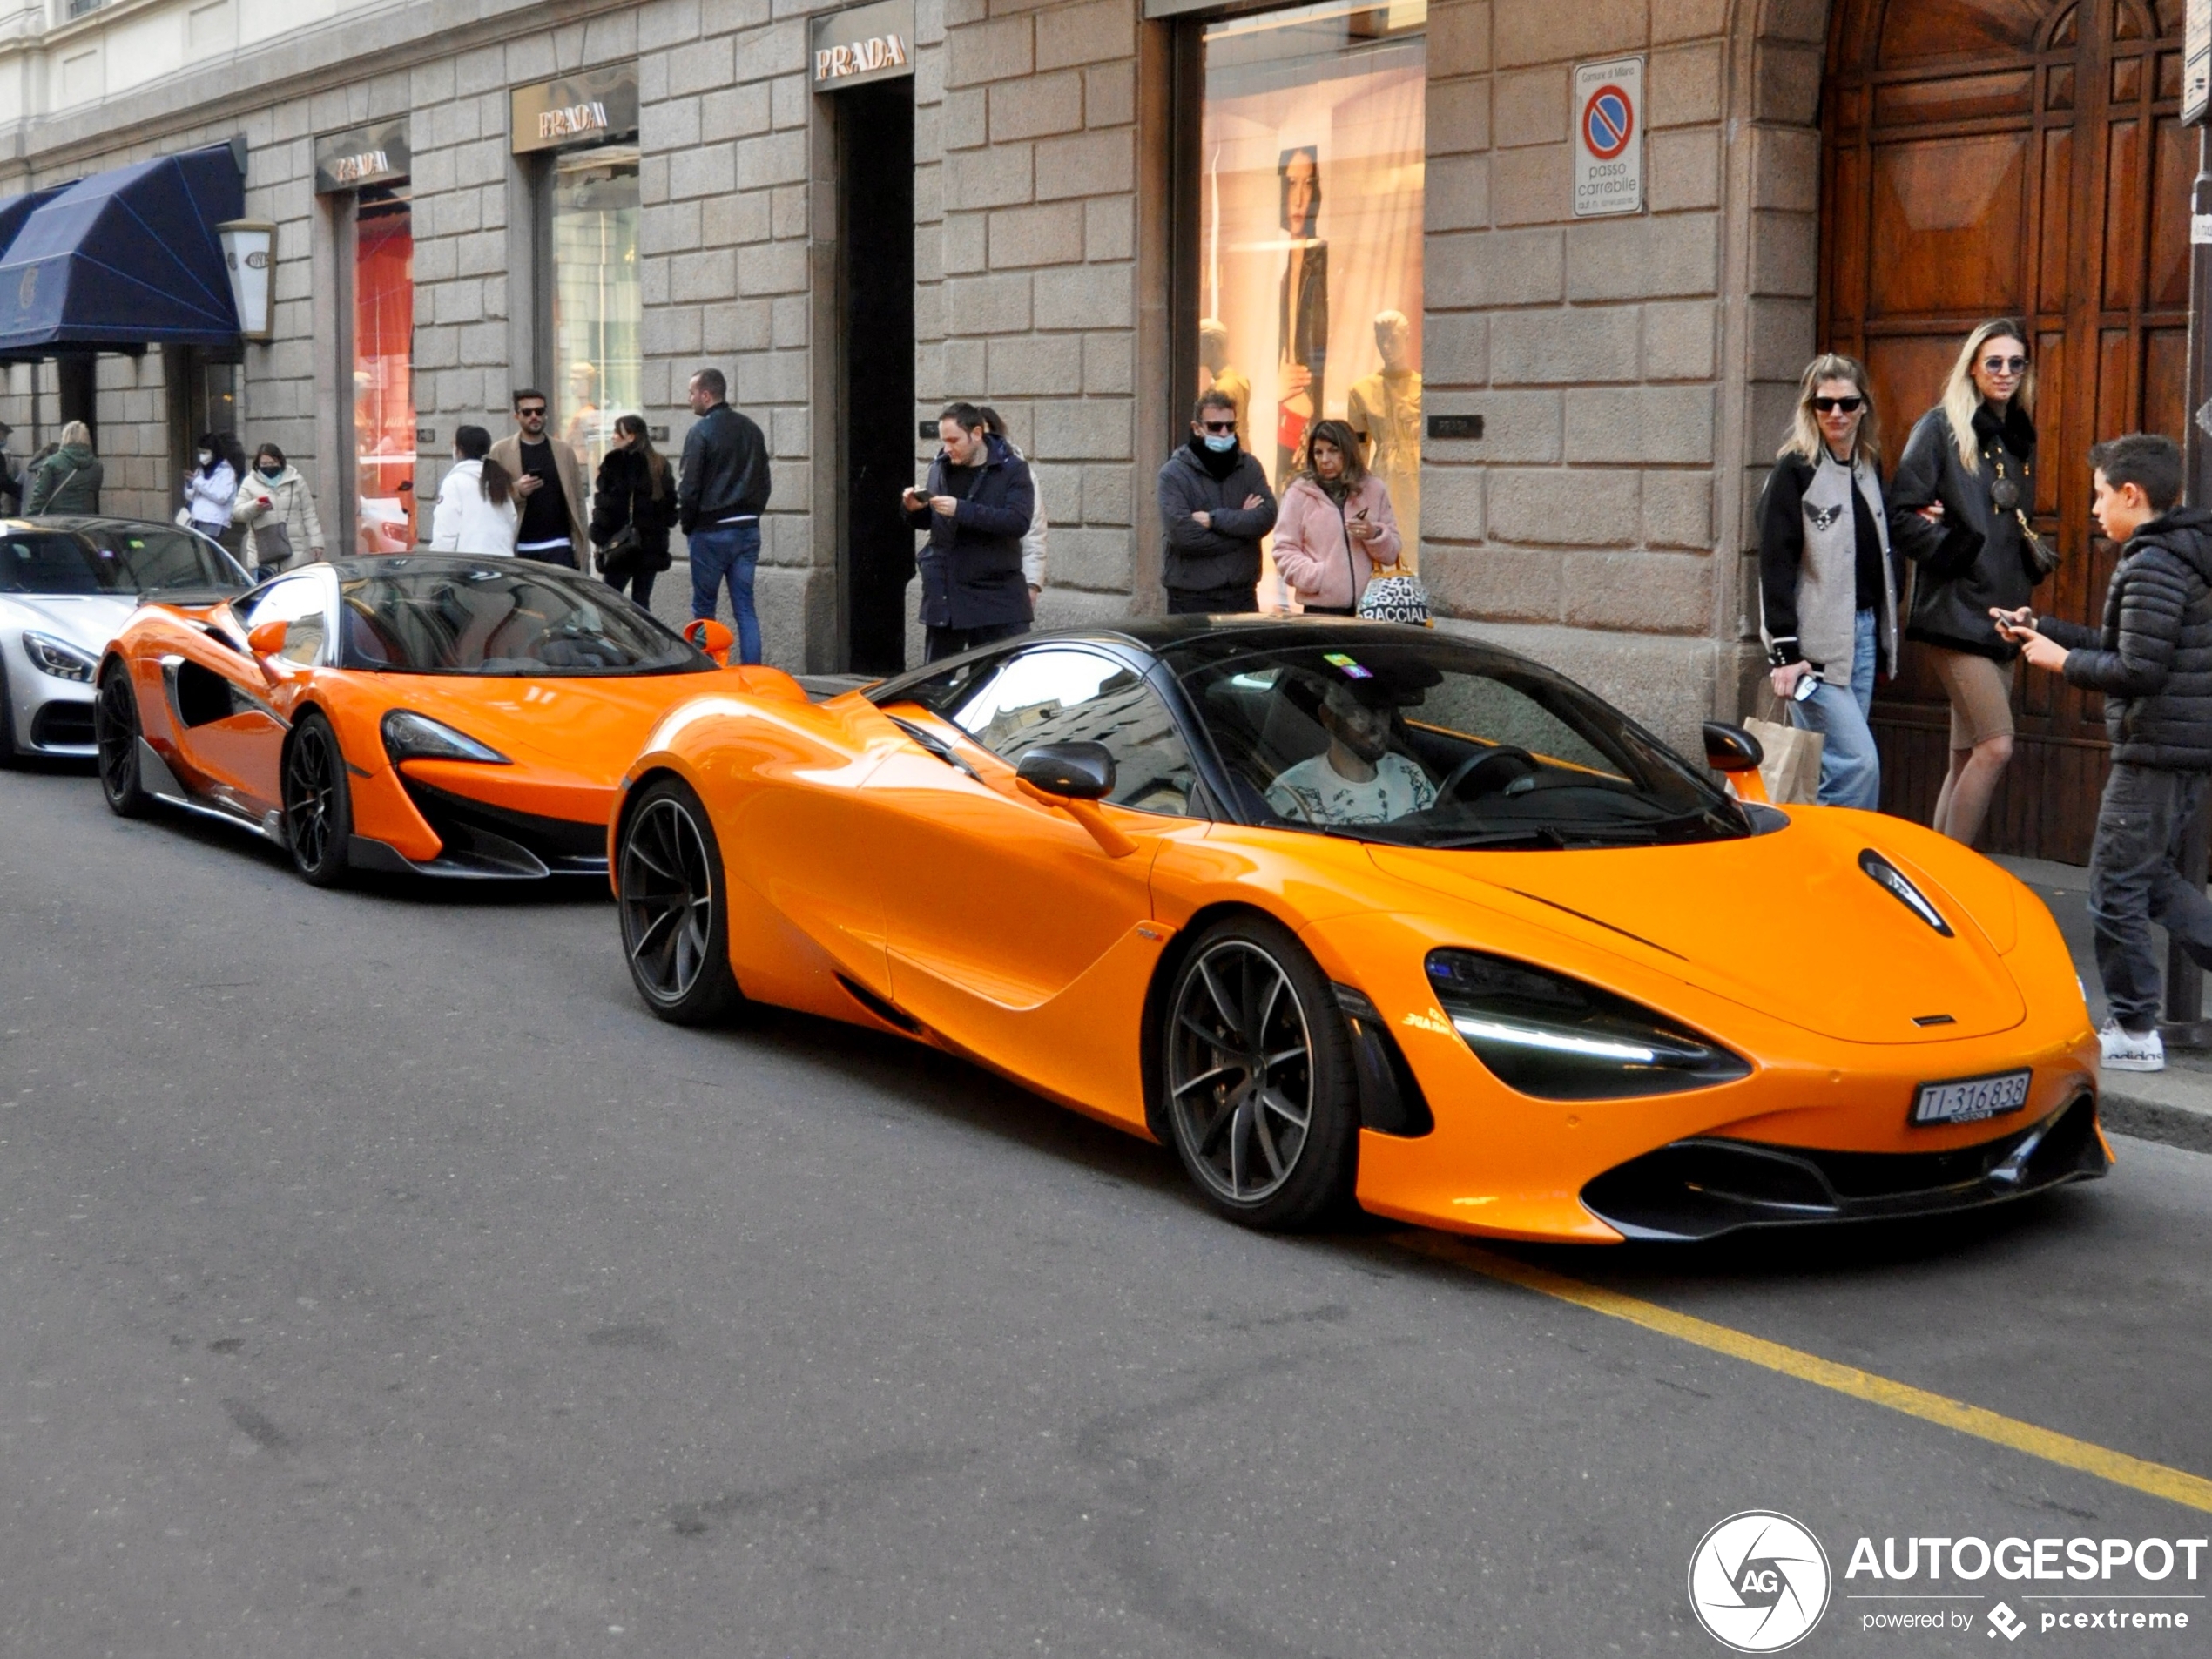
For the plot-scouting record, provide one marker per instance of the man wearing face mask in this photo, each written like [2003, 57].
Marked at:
[1215, 506]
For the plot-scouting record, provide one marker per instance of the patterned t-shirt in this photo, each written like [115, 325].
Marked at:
[1315, 791]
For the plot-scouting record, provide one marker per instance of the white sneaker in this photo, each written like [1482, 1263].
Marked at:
[2126, 1051]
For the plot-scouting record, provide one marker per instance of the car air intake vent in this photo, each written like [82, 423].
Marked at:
[62, 725]
[1894, 882]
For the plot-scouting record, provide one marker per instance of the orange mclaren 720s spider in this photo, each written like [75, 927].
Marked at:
[447, 716]
[1345, 912]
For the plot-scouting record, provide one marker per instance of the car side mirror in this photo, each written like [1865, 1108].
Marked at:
[1068, 770]
[268, 638]
[711, 636]
[1731, 748]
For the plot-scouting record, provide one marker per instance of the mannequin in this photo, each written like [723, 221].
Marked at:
[1384, 409]
[1215, 374]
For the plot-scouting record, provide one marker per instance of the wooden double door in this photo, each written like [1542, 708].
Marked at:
[2012, 158]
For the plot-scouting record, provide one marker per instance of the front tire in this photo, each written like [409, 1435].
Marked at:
[1257, 1078]
[675, 907]
[317, 803]
[115, 734]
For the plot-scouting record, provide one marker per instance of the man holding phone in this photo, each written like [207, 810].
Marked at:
[976, 507]
[2152, 659]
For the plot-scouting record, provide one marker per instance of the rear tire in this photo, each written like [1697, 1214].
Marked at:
[115, 734]
[317, 803]
[1257, 1078]
[674, 900]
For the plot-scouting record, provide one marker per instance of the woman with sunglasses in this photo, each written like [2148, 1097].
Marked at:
[1958, 510]
[1827, 597]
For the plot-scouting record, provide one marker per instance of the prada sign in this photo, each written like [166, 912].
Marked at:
[377, 155]
[872, 43]
[589, 108]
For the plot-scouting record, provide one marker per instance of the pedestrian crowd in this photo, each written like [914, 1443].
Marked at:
[1948, 544]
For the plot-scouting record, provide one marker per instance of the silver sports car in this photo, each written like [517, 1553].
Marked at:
[67, 585]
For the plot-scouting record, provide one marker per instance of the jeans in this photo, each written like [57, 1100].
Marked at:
[640, 584]
[2133, 883]
[730, 550]
[939, 642]
[1851, 767]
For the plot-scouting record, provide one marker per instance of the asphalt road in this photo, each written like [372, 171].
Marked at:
[377, 1277]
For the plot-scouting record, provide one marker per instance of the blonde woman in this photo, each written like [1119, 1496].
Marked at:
[1958, 510]
[1827, 595]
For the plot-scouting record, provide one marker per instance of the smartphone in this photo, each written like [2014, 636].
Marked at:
[1806, 685]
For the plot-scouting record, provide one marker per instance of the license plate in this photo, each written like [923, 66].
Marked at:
[1968, 1100]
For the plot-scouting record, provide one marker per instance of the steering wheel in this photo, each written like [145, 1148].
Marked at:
[1492, 770]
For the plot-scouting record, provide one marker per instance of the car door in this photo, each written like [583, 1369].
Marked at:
[1012, 930]
[228, 712]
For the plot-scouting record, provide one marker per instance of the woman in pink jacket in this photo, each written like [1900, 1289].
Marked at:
[1335, 528]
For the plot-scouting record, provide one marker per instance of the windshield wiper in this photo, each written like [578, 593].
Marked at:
[932, 743]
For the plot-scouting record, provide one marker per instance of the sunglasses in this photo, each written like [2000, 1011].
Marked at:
[1220, 426]
[536, 414]
[2003, 365]
[1848, 405]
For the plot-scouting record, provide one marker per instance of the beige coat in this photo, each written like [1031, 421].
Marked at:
[288, 502]
[509, 452]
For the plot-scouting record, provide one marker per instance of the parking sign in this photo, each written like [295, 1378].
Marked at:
[1608, 137]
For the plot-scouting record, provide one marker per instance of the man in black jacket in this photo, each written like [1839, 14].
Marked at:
[2152, 659]
[976, 508]
[718, 503]
[1215, 505]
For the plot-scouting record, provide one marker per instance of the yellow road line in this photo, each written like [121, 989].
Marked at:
[2156, 1479]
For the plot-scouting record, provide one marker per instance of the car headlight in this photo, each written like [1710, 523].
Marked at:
[409, 736]
[1559, 1039]
[58, 657]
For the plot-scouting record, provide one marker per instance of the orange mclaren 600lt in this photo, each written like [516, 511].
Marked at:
[1345, 912]
[446, 715]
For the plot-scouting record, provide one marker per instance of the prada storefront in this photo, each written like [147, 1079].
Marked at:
[363, 171]
[578, 136]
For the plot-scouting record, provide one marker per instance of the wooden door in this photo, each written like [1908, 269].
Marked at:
[2012, 158]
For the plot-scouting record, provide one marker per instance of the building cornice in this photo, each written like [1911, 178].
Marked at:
[348, 50]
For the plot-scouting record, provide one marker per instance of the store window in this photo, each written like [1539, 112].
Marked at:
[1308, 198]
[580, 134]
[384, 371]
[597, 311]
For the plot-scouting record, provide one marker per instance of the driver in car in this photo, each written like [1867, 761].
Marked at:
[1357, 778]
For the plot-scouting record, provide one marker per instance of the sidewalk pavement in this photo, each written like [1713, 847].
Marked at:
[2174, 1105]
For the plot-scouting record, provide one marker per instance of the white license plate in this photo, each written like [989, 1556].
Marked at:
[1971, 1099]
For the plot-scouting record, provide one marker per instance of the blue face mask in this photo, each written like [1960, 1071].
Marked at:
[1220, 442]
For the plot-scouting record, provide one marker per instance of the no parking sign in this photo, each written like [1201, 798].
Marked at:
[1608, 137]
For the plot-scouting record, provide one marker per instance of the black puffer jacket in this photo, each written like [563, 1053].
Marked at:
[971, 566]
[2152, 657]
[1973, 560]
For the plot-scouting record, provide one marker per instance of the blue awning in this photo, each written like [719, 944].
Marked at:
[124, 259]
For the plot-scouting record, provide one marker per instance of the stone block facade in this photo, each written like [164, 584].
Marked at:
[1632, 373]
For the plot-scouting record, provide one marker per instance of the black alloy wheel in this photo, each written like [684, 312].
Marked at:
[1258, 1080]
[675, 911]
[318, 805]
[115, 735]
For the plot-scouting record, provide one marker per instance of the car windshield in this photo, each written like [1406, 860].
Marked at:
[1439, 743]
[123, 559]
[511, 618]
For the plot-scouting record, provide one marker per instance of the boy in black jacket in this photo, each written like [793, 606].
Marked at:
[2152, 659]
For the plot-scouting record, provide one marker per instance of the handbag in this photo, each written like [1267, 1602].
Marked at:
[2040, 555]
[1791, 770]
[271, 544]
[617, 560]
[1396, 594]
